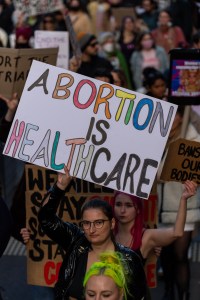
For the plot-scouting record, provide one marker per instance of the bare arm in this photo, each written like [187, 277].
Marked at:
[164, 237]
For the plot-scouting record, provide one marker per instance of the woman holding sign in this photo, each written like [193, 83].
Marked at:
[174, 258]
[84, 246]
[129, 227]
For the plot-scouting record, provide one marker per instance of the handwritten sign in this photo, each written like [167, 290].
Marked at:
[53, 39]
[44, 257]
[37, 7]
[182, 162]
[102, 133]
[15, 65]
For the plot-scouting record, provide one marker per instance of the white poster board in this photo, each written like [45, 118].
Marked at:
[104, 134]
[54, 39]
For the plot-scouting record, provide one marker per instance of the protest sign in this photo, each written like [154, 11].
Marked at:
[37, 7]
[54, 39]
[72, 36]
[44, 257]
[103, 133]
[182, 162]
[184, 77]
[15, 65]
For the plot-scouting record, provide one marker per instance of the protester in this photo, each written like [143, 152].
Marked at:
[109, 49]
[129, 228]
[174, 258]
[90, 60]
[127, 38]
[100, 16]
[150, 14]
[107, 278]
[166, 35]
[154, 83]
[84, 246]
[103, 75]
[147, 54]
[79, 16]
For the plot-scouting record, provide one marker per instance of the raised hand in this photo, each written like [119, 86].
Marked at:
[25, 235]
[63, 179]
[190, 188]
[12, 105]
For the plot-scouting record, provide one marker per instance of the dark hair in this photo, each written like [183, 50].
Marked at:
[121, 35]
[196, 38]
[150, 75]
[122, 77]
[140, 36]
[167, 11]
[103, 72]
[100, 204]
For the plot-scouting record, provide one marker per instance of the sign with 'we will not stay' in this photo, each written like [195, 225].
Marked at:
[103, 133]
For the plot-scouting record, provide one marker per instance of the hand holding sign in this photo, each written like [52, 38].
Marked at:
[63, 179]
[12, 106]
[190, 188]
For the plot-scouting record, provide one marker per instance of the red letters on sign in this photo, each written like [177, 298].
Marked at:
[51, 271]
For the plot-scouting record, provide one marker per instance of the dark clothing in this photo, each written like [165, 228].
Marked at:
[4, 129]
[5, 226]
[89, 68]
[150, 18]
[74, 242]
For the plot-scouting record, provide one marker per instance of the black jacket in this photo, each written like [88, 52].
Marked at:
[72, 239]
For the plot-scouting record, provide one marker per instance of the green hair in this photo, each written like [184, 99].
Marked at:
[110, 264]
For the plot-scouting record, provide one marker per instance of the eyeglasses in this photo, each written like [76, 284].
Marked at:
[93, 44]
[98, 224]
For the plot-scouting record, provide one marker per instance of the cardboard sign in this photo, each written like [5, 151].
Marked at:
[15, 65]
[72, 36]
[103, 133]
[37, 7]
[182, 162]
[121, 12]
[54, 39]
[44, 257]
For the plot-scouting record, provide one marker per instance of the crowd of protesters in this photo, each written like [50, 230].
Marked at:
[125, 43]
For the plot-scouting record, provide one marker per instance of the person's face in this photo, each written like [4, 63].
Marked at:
[49, 23]
[146, 4]
[92, 48]
[164, 18]
[125, 210]
[158, 89]
[93, 234]
[129, 24]
[100, 287]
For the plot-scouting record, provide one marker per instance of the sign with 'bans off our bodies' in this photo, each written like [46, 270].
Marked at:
[103, 133]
